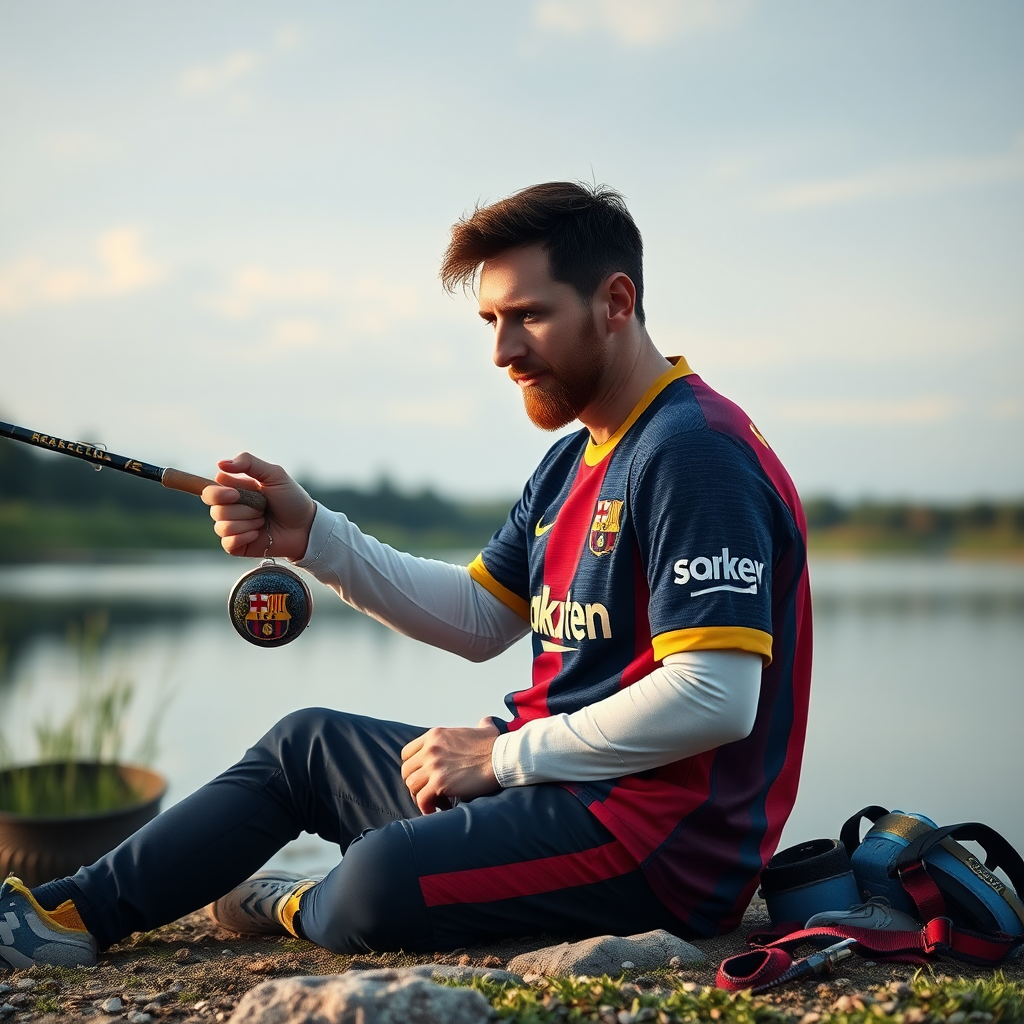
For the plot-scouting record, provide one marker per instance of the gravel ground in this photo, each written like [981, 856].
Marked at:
[192, 971]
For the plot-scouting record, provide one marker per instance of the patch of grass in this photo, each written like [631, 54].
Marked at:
[75, 770]
[189, 997]
[927, 1000]
[69, 976]
[46, 1004]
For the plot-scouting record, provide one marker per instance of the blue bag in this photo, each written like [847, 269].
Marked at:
[922, 870]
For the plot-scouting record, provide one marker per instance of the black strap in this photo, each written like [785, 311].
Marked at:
[850, 834]
[998, 852]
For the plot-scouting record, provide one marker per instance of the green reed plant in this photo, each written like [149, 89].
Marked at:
[77, 755]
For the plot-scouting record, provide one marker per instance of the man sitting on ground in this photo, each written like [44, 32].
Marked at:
[644, 776]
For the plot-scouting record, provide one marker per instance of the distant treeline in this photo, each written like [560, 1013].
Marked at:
[972, 527]
[55, 507]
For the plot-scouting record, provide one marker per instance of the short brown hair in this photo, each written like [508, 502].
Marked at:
[586, 230]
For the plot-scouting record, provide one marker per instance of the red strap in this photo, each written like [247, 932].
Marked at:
[746, 970]
[923, 891]
[939, 936]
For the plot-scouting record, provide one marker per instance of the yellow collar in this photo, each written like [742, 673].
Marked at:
[594, 453]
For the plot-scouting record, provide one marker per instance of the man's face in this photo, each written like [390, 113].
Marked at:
[544, 334]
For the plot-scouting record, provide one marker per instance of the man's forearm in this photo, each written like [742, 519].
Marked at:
[696, 701]
[429, 600]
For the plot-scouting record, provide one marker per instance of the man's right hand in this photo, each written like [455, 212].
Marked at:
[243, 530]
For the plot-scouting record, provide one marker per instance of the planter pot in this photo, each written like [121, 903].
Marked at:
[38, 848]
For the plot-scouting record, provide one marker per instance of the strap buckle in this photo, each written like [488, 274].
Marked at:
[937, 932]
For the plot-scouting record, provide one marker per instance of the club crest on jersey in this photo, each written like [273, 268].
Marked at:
[605, 529]
[268, 616]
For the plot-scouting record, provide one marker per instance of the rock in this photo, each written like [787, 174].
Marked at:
[112, 1005]
[26, 983]
[140, 1018]
[607, 954]
[369, 997]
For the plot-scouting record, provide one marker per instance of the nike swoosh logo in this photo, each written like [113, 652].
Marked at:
[752, 589]
[539, 530]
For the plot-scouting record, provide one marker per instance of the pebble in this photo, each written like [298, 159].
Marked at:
[112, 1005]
[628, 965]
[675, 962]
[140, 1018]
[26, 983]
[6, 1009]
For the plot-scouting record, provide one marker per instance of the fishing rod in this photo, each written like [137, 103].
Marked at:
[175, 479]
[270, 605]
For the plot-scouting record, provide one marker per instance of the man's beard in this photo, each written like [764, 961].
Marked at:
[563, 395]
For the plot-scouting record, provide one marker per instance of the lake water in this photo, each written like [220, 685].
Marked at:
[918, 694]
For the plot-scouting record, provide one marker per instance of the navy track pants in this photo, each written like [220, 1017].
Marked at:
[522, 861]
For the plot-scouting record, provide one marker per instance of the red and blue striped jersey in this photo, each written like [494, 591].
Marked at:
[682, 531]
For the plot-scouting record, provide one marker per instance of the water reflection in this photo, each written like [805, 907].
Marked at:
[917, 678]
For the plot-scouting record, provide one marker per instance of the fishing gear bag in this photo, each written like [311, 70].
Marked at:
[908, 860]
[955, 904]
[921, 869]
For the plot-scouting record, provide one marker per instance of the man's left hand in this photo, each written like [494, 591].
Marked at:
[446, 763]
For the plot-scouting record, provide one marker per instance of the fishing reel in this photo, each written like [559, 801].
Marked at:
[270, 605]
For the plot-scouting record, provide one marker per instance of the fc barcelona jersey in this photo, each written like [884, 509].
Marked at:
[681, 532]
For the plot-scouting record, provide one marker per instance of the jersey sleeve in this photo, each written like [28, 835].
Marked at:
[705, 517]
[502, 568]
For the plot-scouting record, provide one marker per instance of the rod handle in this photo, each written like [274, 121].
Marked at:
[177, 480]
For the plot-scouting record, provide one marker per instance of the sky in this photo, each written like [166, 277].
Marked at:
[221, 225]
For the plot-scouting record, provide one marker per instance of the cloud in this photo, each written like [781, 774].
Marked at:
[253, 288]
[208, 78]
[297, 332]
[876, 411]
[219, 75]
[444, 412]
[902, 179]
[123, 268]
[1007, 409]
[638, 22]
[78, 146]
[366, 305]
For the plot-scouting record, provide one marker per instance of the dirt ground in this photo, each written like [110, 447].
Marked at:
[192, 971]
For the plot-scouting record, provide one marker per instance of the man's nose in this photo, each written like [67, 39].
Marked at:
[509, 345]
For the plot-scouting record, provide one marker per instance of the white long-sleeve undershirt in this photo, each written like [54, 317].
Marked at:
[695, 701]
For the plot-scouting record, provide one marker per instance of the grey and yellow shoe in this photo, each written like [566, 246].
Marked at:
[30, 935]
[266, 904]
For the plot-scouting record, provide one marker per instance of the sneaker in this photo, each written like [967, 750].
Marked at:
[876, 914]
[30, 935]
[266, 904]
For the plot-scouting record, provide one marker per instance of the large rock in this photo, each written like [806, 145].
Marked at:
[609, 954]
[360, 997]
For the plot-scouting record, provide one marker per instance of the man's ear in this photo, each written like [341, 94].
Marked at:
[616, 297]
